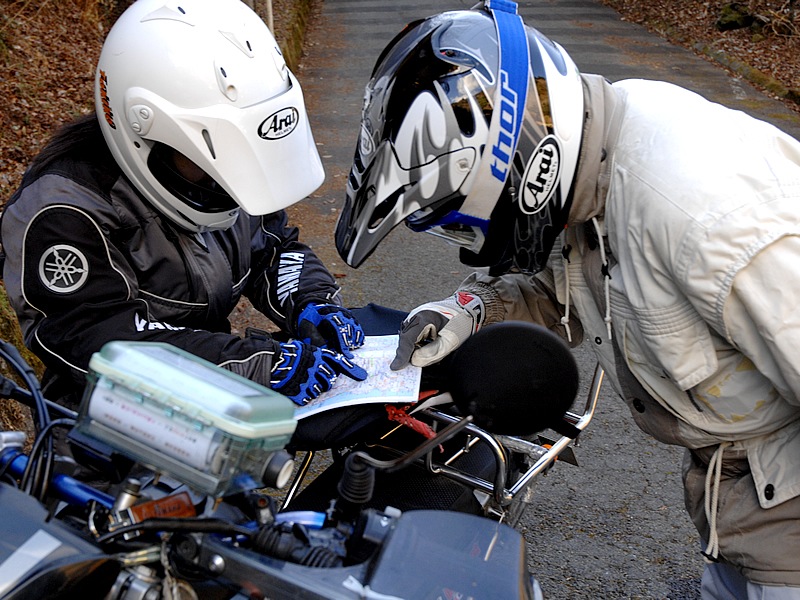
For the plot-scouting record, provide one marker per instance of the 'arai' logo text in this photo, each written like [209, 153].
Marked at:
[541, 177]
[279, 124]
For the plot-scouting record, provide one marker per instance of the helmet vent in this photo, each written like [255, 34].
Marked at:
[243, 45]
[225, 86]
[207, 138]
[169, 14]
[385, 208]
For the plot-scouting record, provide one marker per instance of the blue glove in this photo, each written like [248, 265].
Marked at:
[330, 326]
[302, 372]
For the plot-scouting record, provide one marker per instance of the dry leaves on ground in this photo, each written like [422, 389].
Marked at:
[49, 50]
[773, 47]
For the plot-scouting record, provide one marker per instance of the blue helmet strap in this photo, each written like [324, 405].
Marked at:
[509, 107]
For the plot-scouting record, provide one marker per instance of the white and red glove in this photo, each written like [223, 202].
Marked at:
[435, 329]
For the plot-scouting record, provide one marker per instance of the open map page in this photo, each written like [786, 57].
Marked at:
[381, 385]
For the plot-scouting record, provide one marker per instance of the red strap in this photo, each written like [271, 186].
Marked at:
[400, 415]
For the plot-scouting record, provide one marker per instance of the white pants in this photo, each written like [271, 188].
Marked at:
[723, 582]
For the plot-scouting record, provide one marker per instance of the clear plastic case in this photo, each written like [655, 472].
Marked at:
[183, 416]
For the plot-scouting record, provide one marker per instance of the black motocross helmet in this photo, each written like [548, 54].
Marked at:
[471, 129]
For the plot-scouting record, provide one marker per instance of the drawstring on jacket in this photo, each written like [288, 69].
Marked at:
[606, 276]
[565, 262]
[711, 500]
[565, 252]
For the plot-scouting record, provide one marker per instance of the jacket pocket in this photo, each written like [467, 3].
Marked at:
[774, 464]
[674, 338]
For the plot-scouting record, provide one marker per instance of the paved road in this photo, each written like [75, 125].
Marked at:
[615, 526]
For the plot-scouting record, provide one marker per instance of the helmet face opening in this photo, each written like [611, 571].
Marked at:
[188, 182]
[445, 222]
[459, 234]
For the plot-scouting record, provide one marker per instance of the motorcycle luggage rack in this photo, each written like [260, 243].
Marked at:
[496, 489]
[546, 456]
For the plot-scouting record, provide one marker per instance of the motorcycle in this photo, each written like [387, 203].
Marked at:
[170, 486]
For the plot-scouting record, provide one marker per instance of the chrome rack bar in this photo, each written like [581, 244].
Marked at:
[548, 456]
[580, 423]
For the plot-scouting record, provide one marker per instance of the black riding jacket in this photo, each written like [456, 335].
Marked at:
[88, 261]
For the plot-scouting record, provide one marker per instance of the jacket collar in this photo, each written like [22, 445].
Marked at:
[601, 127]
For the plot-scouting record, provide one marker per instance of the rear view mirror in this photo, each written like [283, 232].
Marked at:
[515, 378]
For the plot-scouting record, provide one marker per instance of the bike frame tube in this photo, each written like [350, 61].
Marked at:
[67, 488]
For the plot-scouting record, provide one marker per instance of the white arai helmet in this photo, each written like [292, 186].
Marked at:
[203, 83]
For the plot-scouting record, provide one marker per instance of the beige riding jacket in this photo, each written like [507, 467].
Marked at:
[698, 207]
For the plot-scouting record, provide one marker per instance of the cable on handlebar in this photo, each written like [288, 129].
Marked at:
[12, 356]
[8, 459]
[36, 477]
[36, 473]
[207, 525]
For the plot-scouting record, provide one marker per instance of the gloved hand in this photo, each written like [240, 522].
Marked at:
[433, 330]
[302, 372]
[330, 325]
